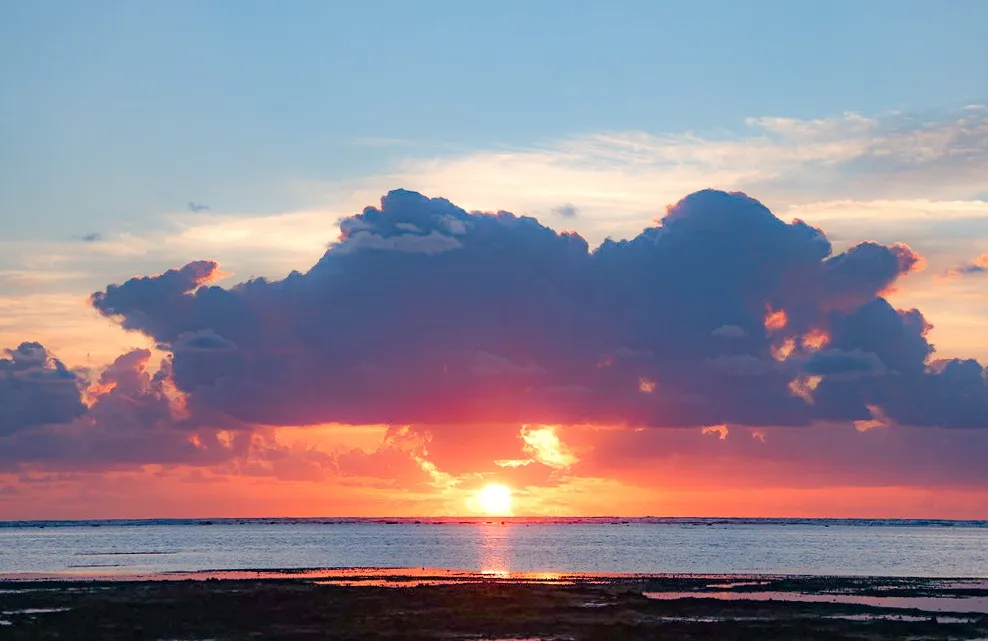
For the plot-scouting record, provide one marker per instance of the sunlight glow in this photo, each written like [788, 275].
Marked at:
[815, 339]
[545, 447]
[775, 319]
[804, 386]
[720, 430]
[495, 499]
[783, 350]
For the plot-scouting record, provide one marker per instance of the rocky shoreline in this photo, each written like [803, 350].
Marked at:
[433, 605]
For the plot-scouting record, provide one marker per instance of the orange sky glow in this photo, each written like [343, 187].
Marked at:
[403, 482]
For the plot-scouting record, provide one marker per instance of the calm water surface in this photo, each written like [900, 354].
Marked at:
[669, 546]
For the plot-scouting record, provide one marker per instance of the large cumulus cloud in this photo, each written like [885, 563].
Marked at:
[423, 312]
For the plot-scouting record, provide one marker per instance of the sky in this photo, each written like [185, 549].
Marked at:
[257, 259]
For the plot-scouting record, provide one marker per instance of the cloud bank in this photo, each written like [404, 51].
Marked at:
[425, 313]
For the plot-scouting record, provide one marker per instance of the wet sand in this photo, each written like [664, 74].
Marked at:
[434, 604]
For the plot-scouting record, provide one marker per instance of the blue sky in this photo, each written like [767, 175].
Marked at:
[117, 111]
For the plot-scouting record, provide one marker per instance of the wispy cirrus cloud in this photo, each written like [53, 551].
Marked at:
[921, 170]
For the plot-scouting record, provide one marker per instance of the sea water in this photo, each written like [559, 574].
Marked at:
[701, 546]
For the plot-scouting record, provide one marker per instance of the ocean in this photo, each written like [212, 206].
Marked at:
[592, 545]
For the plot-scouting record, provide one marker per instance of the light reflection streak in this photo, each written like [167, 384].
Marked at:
[495, 548]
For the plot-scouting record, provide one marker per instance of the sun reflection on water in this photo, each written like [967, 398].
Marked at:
[495, 549]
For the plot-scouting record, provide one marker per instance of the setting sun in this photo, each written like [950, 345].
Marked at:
[495, 499]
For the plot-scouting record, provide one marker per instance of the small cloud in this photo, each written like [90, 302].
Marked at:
[454, 225]
[729, 331]
[196, 207]
[977, 266]
[205, 340]
[568, 210]
[92, 237]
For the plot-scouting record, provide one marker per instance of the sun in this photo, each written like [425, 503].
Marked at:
[495, 499]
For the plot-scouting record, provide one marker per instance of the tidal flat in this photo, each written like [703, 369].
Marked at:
[440, 605]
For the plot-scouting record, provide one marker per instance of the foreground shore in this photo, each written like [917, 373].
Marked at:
[433, 605]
